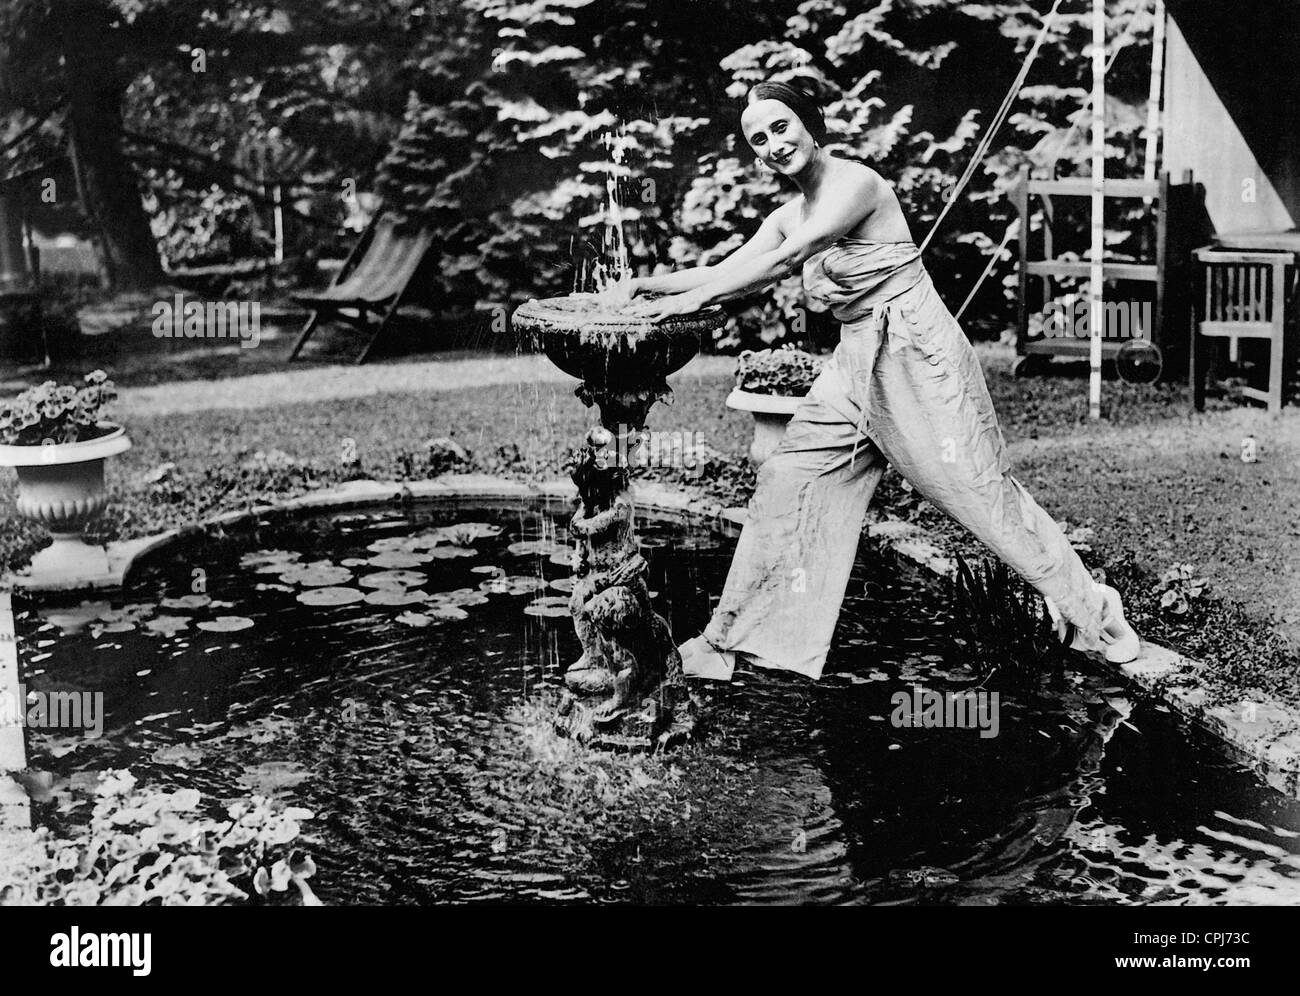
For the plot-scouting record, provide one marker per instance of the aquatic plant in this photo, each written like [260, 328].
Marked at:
[1008, 629]
[146, 846]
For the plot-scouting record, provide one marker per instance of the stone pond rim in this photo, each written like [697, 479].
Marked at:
[597, 345]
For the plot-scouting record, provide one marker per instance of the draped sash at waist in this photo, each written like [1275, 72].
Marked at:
[856, 279]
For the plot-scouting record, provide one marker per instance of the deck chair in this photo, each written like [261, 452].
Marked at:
[373, 280]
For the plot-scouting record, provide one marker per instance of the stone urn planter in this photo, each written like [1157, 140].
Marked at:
[770, 384]
[61, 486]
[772, 413]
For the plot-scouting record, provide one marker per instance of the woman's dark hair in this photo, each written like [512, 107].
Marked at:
[799, 97]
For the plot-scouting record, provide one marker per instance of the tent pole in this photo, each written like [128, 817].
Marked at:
[1095, 289]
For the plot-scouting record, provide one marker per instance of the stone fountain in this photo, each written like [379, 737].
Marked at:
[627, 689]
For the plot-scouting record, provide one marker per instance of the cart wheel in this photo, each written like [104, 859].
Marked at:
[1029, 366]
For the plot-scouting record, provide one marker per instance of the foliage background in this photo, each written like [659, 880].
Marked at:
[490, 121]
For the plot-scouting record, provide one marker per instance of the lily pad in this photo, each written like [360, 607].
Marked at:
[396, 558]
[167, 625]
[538, 548]
[180, 755]
[562, 584]
[268, 561]
[74, 620]
[274, 776]
[395, 596]
[186, 602]
[548, 605]
[416, 619]
[330, 596]
[226, 624]
[518, 584]
[450, 552]
[447, 612]
[127, 614]
[392, 579]
[317, 576]
[393, 544]
[459, 596]
[493, 569]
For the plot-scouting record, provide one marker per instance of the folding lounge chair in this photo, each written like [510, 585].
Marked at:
[373, 279]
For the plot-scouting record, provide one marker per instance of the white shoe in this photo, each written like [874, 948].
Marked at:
[1119, 641]
[1117, 636]
[700, 659]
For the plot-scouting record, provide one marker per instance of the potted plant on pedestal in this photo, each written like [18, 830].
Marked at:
[55, 438]
[770, 383]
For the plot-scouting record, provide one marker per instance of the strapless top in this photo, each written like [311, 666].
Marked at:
[853, 276]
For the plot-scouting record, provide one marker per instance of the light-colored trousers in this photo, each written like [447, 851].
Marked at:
[904, 386]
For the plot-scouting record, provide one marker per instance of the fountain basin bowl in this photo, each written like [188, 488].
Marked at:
[600, 346]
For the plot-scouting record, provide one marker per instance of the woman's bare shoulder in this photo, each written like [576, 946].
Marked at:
[852, 171]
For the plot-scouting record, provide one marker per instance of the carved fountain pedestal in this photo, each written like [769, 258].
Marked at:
[627, 689]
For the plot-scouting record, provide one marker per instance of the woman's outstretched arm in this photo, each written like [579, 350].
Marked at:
[767, 238]
[842, 208]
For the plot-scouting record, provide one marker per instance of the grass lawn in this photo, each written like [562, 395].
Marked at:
[1157, 485]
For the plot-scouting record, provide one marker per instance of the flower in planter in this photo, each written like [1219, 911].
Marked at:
[59, 413]
[787, 372]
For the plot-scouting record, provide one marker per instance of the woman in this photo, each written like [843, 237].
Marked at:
[904, 386]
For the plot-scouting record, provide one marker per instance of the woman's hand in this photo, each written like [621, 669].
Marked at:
[664, 307]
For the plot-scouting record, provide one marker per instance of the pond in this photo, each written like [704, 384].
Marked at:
[395, 672]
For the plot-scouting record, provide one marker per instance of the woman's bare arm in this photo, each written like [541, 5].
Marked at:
[854, 196]
[767, 238]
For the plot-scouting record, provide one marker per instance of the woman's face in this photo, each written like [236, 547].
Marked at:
[777, 136]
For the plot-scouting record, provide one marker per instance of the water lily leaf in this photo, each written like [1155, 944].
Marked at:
[416, 619]
[179, 755]
[398, 559]
[167, 625]
[355, 562]
[548, 605]
[75, 619]
[562, 558]
[317, 576]
[519, 584]
[448, 552]
[268, 561]
[226, 624]
[395, 596]
[562, 584]
[538, 548]
[186, 602]
[125, 626]
[459, 596]
[128, 614]
[447, 612]
[496, 572]
[392, 579]
[272, 587]
[393, 544]
[273, 776]
[330, 596]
